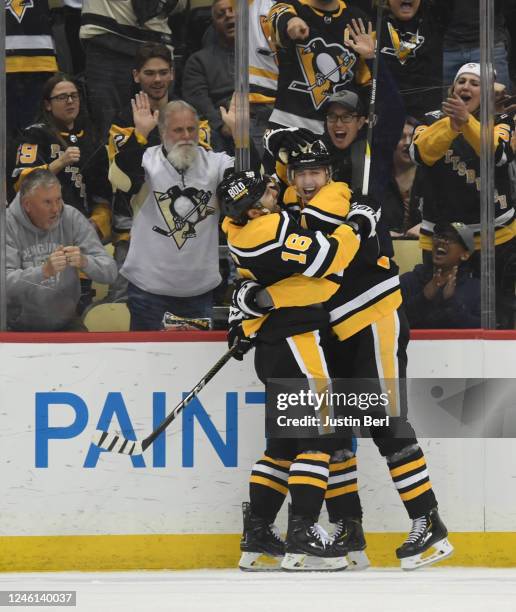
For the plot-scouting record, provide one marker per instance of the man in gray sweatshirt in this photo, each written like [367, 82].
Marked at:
[48, 245]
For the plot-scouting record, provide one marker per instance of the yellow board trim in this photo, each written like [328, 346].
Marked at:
[352, 488]
[196, 551]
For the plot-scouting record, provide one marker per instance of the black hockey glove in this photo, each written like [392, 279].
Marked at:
[283, 140]
[244, 298]
[236, 336]
[364, 216]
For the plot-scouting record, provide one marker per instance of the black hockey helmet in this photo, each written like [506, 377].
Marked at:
[312, 155]
[239, 192]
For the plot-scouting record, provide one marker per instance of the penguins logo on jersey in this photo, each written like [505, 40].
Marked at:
[326, 68]
[405, 46]
[182, 211]
[18, 8]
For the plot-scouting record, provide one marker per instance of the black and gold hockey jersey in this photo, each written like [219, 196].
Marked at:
[312, 70]
[29, 46]
[84, 185]
[413, 52]
[274, 248]
[369, 288]
[450, 163]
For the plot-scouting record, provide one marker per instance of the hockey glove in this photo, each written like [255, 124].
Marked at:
[236, 336]
[244, 298]
[365, 216]
[283, 140]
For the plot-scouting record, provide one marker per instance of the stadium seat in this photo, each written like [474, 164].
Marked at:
[407, 254]
[107, 317]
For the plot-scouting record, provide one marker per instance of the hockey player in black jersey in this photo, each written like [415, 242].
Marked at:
[371, 340]
[268, 246]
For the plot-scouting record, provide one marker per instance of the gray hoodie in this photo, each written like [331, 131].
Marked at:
[37, 303]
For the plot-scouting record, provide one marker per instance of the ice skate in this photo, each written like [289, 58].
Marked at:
[310, 548]
[261, 545]
[350, 535]
[426, 543]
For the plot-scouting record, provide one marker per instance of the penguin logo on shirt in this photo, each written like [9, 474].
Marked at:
[326, 68]
[18, 8]
[404, 44]
[182, 210]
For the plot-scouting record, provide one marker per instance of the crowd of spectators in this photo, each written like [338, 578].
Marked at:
[102, 93]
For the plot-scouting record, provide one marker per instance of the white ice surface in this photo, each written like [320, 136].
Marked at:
[425, 590]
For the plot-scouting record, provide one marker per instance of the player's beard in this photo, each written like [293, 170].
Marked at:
[181, 154]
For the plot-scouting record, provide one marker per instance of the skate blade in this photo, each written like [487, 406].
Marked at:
[259, 562]
[438, 552]
[358, 560]
[293, 562]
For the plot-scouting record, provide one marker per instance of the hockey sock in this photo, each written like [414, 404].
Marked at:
[268, 487]
[342, 499]
[307, 481]
[410, 476]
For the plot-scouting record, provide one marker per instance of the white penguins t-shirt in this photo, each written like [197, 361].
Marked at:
[174, 239]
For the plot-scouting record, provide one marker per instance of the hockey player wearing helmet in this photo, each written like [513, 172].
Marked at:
[371, 337]
[289, 343]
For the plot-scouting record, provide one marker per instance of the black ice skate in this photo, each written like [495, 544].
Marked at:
[261, 545]
[428, 535]
[350, 535]
[310, 548]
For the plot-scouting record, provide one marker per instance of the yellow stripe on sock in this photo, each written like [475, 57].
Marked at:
[269, 483]
[335, 467]
[416, 492]
[278, 462]
[306, 480]
[313, 457]
[352, 488]
[408, 467]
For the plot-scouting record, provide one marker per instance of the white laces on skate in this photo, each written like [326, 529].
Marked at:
[276, 532]
[418, 528]
[321, 534]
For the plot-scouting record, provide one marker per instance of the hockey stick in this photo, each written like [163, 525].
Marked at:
[372, 101]
[116, 443]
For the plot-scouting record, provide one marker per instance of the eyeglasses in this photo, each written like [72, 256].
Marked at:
[64, 97]
[334, 118]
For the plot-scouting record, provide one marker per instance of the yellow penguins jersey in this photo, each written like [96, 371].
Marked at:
[274, 247]
[29, 46]
[263, 65]
[450, 167]
[369, 288]
[312, 70]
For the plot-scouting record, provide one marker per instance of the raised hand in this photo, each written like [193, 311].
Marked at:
[297, 29]
[145, 119]
[359, 39]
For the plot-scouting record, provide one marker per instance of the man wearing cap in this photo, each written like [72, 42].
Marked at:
[444, 294]
[447, 147]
